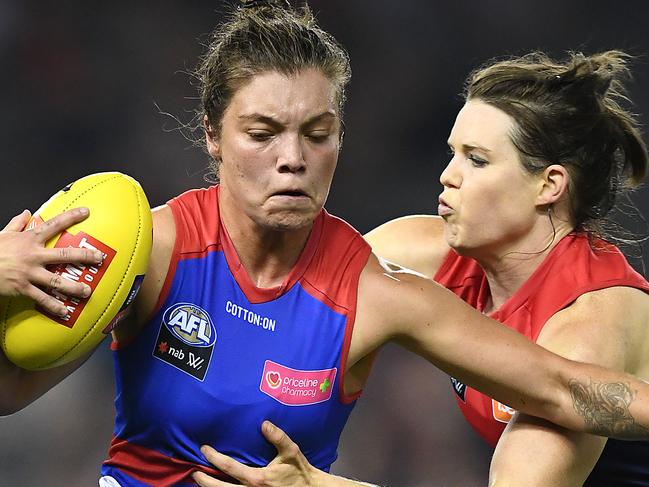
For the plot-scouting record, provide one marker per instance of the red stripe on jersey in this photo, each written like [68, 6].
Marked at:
[153, 468]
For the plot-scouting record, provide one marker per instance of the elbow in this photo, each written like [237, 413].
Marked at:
[552, 397]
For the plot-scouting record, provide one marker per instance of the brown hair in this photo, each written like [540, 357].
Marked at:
[570, 114]
[261, 36]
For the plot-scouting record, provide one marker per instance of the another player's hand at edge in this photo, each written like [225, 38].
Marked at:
[289, 468]
[23, 258]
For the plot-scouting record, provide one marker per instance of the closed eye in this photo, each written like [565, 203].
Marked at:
[318, 137]
[260, 135]
[477, 161]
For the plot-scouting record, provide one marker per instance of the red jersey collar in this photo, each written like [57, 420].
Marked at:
[258, 294]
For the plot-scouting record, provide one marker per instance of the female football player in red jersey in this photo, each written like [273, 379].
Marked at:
[541, 151]
[200, 363]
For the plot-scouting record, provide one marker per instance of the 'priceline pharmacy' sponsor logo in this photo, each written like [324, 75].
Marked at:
[296, 387]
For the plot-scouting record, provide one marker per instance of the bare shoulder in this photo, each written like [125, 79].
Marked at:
[378, 291]
[416, 242]
[164, 231]
[383, 297]
[608, 327]
[164, 238]
[392, 302]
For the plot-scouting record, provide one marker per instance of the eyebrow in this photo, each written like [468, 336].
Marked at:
[471, 146]
[258, 117]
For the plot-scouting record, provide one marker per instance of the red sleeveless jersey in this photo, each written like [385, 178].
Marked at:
[574, 267]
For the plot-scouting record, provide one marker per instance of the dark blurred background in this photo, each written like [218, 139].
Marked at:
[83, 88]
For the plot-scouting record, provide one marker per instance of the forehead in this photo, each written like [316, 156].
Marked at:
[482, 124]
[285, 97]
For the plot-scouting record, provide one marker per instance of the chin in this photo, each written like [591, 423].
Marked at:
[454, 240]
[285, 222]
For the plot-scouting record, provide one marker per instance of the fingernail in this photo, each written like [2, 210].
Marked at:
[83, 211]
[63, 313]
[98, 255]
[86, 290]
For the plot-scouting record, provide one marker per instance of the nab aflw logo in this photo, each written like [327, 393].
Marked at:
[186, 339]
[190, 324]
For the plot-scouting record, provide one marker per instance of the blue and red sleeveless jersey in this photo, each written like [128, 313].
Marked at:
[220, 355]
[574, 267]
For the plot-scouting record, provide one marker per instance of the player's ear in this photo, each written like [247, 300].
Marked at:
[211, 140]
[553, 185]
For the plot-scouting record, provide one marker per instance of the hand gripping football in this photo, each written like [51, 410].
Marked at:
[119, 225]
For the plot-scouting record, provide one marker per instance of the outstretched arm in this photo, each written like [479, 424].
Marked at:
[289, 468]
[436, 324]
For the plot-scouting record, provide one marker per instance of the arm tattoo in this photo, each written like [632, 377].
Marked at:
[605, 408]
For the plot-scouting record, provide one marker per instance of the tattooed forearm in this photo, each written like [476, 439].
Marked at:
[605, 408]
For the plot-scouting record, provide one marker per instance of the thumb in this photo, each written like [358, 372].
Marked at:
[17, 223]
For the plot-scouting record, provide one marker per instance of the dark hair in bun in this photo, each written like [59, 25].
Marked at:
[570, 113]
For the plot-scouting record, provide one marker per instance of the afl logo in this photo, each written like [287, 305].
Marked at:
[190, 324]
[273, 379]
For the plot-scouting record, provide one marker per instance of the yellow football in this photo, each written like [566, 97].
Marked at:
[120, 226]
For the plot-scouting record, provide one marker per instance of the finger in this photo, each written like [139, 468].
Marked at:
[281, 441]
[228, 465]
[17, 223]
[204, 480]
[54, 282]
[46, 302]
[56, 225]
[71, 255]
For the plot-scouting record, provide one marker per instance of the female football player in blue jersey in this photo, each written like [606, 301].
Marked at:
[259, 305]
[540, 152]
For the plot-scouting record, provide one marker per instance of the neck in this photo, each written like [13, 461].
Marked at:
[267, 255]
[507, 269]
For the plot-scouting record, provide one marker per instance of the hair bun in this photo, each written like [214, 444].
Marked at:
[595, 74]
